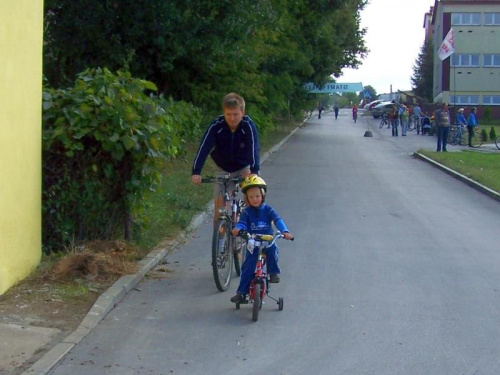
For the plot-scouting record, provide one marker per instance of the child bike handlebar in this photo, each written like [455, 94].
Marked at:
[263, 237]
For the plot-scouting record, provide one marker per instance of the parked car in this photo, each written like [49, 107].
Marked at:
[380, 109]
[370, 105]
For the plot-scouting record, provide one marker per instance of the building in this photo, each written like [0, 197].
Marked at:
[471, 75]
[21, 42]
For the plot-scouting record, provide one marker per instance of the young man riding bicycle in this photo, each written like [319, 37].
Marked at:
[233, 144]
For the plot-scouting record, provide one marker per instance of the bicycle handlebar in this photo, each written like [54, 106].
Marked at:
[263, 237]
[225, 178]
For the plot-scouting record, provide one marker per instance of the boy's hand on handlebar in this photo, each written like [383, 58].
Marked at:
[288, 236]
[196, 179]
[235, 231]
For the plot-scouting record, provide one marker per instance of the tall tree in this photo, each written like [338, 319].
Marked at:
[423, 71]
[198, 50]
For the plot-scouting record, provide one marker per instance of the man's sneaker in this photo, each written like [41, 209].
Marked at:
[274, 278]
[238, 298]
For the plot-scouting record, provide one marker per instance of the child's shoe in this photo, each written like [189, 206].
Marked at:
[238, 298]
[274, 278]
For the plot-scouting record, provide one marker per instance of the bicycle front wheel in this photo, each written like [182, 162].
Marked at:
[257, 302]
[239, 250]
[222, 254]
[497, 142]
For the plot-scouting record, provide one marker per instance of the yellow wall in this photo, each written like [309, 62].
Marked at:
[21, 40]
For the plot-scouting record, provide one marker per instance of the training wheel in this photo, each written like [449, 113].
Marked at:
[237, 306]
[280, 303]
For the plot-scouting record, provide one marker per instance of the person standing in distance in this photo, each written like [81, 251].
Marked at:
[232, 142]
[443, 126]
[472, 124]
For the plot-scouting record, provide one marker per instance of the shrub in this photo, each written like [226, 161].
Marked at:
[493, 134]
[104, 143]
[487, 114]
[484, 135]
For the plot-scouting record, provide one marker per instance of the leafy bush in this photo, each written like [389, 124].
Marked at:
[104, 143]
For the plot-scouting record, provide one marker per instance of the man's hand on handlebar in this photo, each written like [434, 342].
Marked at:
[196, 179]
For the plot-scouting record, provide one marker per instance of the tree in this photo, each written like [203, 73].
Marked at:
[423, 70]
[197, 50]
[371, 91]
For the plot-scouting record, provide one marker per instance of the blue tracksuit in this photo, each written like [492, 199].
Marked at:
[232, 151]
[258, 221]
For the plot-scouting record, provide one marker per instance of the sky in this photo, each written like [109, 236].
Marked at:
[394, 38]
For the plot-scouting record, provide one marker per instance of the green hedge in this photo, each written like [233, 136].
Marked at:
[105, 141]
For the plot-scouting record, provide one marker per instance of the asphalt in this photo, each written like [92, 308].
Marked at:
[18, 344]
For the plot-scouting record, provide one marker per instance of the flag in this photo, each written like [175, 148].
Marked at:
[447, 47]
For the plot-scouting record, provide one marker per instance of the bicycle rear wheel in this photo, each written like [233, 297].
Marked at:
[477, 139]
[257, 302]
[222, 254]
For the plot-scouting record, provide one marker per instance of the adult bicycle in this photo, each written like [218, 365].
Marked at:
[476, 140]
[385, 121]
[355, 115]
[456, 135]
[259, 286]
[226, 249]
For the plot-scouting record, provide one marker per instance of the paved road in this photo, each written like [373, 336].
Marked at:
[395, 270]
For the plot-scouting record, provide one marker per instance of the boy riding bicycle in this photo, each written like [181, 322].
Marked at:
[233, 144]
[257, 218]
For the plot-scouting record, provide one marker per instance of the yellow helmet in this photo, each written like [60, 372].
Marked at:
[253, 181]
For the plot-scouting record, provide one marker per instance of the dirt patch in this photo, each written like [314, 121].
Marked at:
[61, 292]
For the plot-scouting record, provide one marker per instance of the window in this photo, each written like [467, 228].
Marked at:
[491, 59]
[491, 99]
[464, 99]
[466, 18]
[465, 59]
[492, 18]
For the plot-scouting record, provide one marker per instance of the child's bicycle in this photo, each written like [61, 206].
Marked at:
[226, 249]
[259, 287]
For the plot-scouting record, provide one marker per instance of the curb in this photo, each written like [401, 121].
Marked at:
[115, 293]
[476, 185]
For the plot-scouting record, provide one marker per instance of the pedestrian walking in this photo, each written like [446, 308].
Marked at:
[320, 109]
[336, 110]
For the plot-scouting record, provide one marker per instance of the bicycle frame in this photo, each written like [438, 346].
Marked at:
[259, 286]
[225, 249]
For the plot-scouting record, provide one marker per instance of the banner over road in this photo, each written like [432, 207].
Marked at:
[334, 87]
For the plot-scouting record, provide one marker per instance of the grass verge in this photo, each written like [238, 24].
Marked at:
[481, 167]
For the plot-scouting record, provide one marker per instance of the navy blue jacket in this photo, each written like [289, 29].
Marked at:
[230, 151]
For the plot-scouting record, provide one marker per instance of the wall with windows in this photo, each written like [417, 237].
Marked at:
[471, 76]
[21, 37]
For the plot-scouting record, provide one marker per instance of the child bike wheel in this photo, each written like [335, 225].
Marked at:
[222, 254]
[257, 302]
[280, 303]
